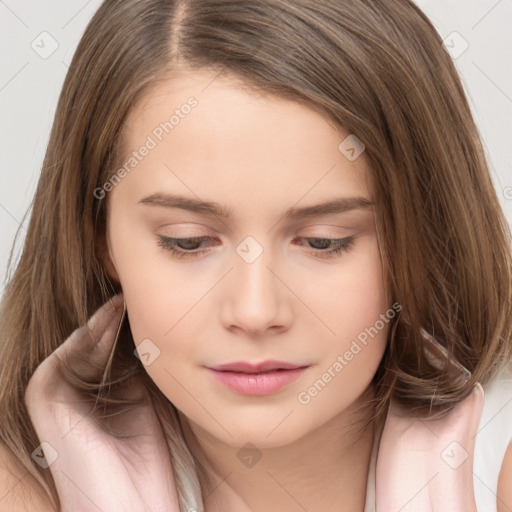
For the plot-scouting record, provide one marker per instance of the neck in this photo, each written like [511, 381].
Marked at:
[326, 469]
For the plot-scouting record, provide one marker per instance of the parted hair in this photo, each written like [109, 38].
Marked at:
[376, 68]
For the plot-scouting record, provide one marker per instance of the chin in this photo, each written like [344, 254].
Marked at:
[264, 434]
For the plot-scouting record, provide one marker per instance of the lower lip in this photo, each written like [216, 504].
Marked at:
[257, 384]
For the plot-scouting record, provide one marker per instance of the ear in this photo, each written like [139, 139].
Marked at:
[104, 254]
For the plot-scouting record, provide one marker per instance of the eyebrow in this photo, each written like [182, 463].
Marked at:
[339, 205]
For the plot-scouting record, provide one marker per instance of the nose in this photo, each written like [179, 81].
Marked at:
[257, 302]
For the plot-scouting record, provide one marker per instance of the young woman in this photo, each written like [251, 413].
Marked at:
[266, 269]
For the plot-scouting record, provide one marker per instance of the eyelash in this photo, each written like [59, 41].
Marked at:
[169, 244]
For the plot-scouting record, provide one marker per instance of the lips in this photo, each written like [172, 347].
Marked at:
[264, 366]
[257, 379]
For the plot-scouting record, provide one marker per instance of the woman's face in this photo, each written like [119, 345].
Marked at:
[249, 175]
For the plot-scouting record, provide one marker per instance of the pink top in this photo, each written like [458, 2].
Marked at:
[451, 464]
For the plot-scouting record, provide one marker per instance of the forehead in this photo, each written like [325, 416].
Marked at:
[214, 137]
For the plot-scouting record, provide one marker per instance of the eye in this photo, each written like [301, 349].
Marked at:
[181, 247]
[334, 246]
[184, 247]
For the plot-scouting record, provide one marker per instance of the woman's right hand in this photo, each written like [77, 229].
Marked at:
[92, 469]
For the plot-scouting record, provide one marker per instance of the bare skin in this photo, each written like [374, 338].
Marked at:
[258, 156]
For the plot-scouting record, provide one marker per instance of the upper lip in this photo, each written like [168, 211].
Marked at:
[246, 367]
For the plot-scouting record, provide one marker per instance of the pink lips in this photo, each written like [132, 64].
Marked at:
[257, 379]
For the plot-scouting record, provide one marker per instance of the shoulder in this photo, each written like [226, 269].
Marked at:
[18, 490]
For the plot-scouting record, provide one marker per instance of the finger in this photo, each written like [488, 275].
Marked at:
[88, 347]
[75, 358]
[104, 317]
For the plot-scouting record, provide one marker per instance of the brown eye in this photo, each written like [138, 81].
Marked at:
[334, 246]
[182, 247]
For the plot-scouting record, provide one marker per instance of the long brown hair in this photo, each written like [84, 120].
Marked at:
[376, 68]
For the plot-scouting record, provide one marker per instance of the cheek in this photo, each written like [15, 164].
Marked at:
[348, 297]
[357, 310]
[366, 316]
[164, 306]
[159, 292]
[361, 315]
[364, 297]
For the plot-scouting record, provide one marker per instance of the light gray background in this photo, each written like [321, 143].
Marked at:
[31, 78]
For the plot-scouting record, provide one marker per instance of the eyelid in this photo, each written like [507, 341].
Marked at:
[339, 246]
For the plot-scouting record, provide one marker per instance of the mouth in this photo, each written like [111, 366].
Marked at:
[262, 367]
[257, 379]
